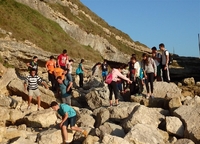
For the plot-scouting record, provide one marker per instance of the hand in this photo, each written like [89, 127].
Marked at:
[145, 76]
[61, 124]
[165, 67]
[129, 81]
[25, 89]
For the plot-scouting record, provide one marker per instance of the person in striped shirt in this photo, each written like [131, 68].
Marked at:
[31, 84]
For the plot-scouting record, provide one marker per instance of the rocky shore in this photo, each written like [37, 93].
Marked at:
[172, 117]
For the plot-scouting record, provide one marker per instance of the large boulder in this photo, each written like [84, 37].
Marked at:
[184, 141]
[109, 139]
[94, 82]
[174, 103]
[145, 115]
[97, 97]
[16, 116]
[189, 81]
[102, 116]
[174, 126]
[41, 119]
[189, 115]
[23, 140]
[91, 140]
[144, 134]
[4, 115]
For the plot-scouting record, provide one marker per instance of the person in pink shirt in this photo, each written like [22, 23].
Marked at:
[116, 76]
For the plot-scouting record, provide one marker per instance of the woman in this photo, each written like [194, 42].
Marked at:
[80, 70]
[113, 86]
[150, 70]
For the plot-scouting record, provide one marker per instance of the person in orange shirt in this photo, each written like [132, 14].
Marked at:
[58, 72]
[50, 66]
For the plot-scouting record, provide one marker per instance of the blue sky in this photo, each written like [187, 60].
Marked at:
[176, 23]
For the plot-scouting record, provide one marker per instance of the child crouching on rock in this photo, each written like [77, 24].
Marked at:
[68, 118]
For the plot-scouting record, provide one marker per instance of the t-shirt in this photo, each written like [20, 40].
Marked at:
[62, 59]
[164, 53]
[34, 65]
[64, 108]
[58, 72]
[50, 65]
[32, 82]
[158, 55]
[104, 67]
[63, 88]
[137, 67]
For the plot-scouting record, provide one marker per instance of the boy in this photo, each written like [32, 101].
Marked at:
[68, 117]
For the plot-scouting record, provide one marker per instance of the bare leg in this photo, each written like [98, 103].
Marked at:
[64, 133]
[76, 129]
[29, 100]
[39, 101]
[116, 101]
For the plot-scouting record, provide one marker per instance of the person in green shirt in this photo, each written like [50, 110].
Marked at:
[68, 118]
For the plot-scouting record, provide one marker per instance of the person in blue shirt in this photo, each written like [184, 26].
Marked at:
[65, 87]
[68, 118]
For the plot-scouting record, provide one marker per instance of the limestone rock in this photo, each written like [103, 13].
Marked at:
[94, 82]
[16, 115]
[5, 101]
[192, 101]
[102, 116]
[22, 140]
[43, 118]
[4, 115]
[110, 128]
[108, 139]
[145, 115]
[85, 120]
[174, 126]
[189, 115]
[189, 81]
[91, 140]
[184, 141]
[174, 103]
[144, 134]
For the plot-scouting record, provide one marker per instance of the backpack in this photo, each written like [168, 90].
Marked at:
[170, 58]
[109, 78]
[141, 74]
[78, 70]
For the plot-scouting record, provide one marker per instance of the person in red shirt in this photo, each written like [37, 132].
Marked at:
[50, 65]
[62, 59]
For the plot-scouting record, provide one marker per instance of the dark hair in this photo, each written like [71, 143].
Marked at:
[82, 60]
[35, 57]
[161, 45]
[71, 60]
[59, 77]
[133, 55]
[133, 58]
[51, 57]
[53, 103]
[32, 69]
[64, 51]
[154, 48]
[146, 61]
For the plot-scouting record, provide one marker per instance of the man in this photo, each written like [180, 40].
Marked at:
[165, 62]
[50, 65]
[65, 87]
[32, 82]
[33, 64]
[68, 118]
[104, 68]
[62, 59]
[157, 58]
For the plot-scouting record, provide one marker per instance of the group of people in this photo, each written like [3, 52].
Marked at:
[140, 73]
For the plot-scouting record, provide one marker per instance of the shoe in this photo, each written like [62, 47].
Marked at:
[152, 97]
[85, 133]
[38, 109]
[147, 97]
[110, 105]
[29, 107]
[117, 104]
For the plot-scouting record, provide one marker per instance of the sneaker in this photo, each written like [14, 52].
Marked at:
[85, 133]
[147, 97]
[29, 107]
[38, 109]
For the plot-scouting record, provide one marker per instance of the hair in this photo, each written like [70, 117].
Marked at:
[51, 57]
[105, 60]
[133, 55]
[59, 77]
[35, 57]
[64, 51]
[71, 60]
[82, 60]
[53, 103]
[146, 61]
[161, 45]
[133, 58]
[154, 48]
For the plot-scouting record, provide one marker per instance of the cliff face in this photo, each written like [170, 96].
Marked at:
[106, 48]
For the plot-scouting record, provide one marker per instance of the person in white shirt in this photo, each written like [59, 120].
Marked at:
[165, 62]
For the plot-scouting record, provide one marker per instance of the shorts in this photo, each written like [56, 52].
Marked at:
[35, 92]
[70, 121]
[104, 73]
[67, 100]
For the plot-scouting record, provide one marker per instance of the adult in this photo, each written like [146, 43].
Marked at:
[134, 73]
[50, 65]
[80, 72]
[68, 118]
[150, 70]
[65, 89]
[157, 58]
[62, 59]
[104, 68]
[31, 84]
[69, 67]
[113, 86]
[33, 64]
[58, 72]
[165, 62]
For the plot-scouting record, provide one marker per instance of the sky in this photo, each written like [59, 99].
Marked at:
[176, 23]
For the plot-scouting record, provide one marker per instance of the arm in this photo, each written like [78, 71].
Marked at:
[64, 118]
[46, 65]
[83, 68]
[123, 77]
[69, 86]
[155, 68]
[45, 85]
